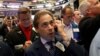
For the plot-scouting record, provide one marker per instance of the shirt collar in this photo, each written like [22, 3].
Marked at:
[76, 23]
[69, 25]
[44, 41]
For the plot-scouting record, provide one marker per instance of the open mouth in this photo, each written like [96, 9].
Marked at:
[51, 33]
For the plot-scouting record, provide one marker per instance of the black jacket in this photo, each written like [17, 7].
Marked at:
[88, 27]
[5, 50]
[17, 37]
[38, 49]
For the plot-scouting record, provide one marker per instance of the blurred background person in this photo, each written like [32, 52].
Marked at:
[85, 4]
[83, 7]
[7, 26]
[77, 17]
[95, 45]
[70, 27]
[15, 21]
[5, 50]
[89, 25]
[20, 38]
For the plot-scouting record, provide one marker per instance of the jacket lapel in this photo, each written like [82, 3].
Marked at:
[21, 34]
[42, 51]
[34, 36]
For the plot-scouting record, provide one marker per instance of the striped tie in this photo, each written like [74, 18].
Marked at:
[52, 48]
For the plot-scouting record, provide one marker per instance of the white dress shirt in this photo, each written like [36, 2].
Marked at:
[95, 45]
[44, 42]
[69, 31]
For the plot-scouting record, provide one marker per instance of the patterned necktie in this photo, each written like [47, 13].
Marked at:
[52, 48]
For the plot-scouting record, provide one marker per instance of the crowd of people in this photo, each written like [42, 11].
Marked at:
[47, 35]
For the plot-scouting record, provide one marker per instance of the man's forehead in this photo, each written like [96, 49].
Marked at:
[25, 15]
[23, 10]
[45, 21]
[68, 10]
[76, 12]
[8, 20]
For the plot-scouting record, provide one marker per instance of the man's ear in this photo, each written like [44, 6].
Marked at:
[63, 16]
[89, 11]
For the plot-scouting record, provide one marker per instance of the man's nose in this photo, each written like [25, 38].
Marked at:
[50, 26]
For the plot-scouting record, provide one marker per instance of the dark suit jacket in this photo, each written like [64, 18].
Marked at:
[3, 30]
[5, 50]
[88, 27]
[38, 49]
[17, 37]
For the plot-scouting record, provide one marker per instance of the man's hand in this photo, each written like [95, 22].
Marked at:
[27, 44]
[60, 27]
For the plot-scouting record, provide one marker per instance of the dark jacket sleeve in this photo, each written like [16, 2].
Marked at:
[76, 50]
[10, 40]
[5, 50]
